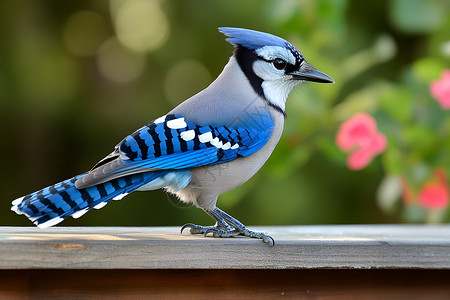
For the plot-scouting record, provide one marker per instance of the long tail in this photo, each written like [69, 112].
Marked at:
[53, 204]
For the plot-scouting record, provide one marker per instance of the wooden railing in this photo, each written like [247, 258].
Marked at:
[351, 261]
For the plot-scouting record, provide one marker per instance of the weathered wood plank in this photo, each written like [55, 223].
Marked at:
[355, 247]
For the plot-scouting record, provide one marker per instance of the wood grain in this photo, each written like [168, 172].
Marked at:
[297, 247]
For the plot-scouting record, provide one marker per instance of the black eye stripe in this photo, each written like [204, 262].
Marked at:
[291, 68]
[272, 60]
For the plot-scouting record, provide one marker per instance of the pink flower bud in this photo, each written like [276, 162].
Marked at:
[440, 90]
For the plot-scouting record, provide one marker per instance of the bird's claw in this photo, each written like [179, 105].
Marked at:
[268, 240]
[194, 229]
[258, 235]
[197, 229]
[216, 232]
[225, 232]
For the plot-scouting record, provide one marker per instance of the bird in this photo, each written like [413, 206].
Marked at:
[209, 144]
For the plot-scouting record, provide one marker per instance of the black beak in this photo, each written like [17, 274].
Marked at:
[312, 75]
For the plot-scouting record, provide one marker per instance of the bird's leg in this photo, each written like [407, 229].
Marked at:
[227, 226]
[221, 224]
[239, 227]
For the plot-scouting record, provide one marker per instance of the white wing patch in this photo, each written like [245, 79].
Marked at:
[176, 123]
[188, 135]
[216, 142]
[80, 213]
[119, 197]
[160, 120]
[100, 205]
[226, 146]
[205, 137]
[17, 201]
[50, 222]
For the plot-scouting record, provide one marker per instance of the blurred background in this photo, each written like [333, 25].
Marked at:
[78, 76]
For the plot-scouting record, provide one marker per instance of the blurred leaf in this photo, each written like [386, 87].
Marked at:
[393, 160]
[364, 100]
[285, 159]
[442, 158]
[436, 215]
[332, 12]
[397, 102]
[420, 138]
[328, 147]
[382, 50]
[416, 16]
[414, 213]
[418, 174]
[300, 156]
[428, 69]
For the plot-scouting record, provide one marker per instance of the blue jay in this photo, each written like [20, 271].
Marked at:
[206, 146]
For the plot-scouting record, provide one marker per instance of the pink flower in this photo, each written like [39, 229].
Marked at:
[440, 90]
[359, 135]
[434, 193]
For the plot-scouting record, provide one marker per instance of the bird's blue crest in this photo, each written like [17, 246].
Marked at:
[252, 39]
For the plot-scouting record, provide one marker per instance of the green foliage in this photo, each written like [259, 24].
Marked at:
[76, 78]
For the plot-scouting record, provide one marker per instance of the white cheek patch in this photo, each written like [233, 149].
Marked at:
[266, 71]
[276, 86]
[272, 52]
[277, 91]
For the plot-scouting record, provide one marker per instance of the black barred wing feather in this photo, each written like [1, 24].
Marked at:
[171, 142]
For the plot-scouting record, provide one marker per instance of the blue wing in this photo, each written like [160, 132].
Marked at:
[171, 142]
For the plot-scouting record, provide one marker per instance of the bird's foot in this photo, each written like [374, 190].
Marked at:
[216, 232]
[220, 231]
[198, 229]
[226, 226]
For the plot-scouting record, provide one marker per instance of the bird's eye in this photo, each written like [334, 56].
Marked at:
[279, 63]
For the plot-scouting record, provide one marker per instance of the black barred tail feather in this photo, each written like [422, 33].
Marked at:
[53, 204]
